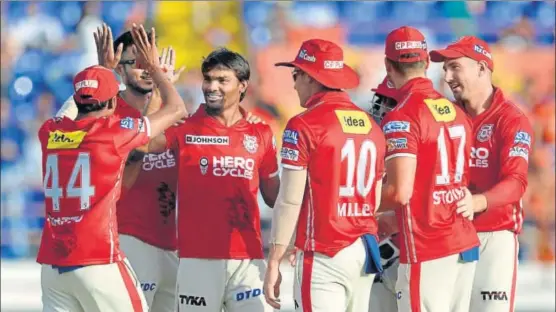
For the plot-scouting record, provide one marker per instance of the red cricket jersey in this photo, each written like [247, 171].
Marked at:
[147, 209]
[342, 149]
[83, 162]
[218, 182]
[502, 141]
[426, 126]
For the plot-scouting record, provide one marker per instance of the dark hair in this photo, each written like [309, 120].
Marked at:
[228, 59]
[404, 68]
[127, 40]
[89, 108]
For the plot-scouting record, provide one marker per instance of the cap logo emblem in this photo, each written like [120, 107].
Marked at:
[406, 45]
[86, 84]
[309, 58]
[482, 51]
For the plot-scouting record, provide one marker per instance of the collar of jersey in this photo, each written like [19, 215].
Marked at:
[498, 100]
[416, 84]
[327, 96]
[201, 112]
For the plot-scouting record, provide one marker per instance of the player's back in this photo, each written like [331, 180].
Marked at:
[344, 162]
[437, 132]
[82, 166]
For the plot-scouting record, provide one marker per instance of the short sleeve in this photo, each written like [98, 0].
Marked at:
[516, 143]
[269, 164]
[296, 144]
[130, 133]
[401, 132]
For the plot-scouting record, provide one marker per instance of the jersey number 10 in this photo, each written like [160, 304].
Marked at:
[81, 168]
[366, 158]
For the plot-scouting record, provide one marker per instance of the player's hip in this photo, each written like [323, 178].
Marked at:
[161, 240]
[416, 247]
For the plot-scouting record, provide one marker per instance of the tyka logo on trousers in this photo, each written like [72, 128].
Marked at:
[193, 300]
[494, 295]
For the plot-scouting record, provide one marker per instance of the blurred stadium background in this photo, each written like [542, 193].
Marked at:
[45, 43]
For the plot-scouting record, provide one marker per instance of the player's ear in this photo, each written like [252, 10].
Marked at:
[483, 67]
[112, 103]
[243, 86]
[387, 65]
[120, 71]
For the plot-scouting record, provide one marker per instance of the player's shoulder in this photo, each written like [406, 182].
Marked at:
[260, 127]
[511, 112]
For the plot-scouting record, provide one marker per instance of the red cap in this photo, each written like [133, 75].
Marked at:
[385, 88]
[324, 61]
[467, 46]
[97, 83]
[405, 40]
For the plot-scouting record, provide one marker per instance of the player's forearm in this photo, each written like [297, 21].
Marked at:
[393, 197]
[173, 109]
[69, 109]
[510, 190]
[269, 190]
[155, 102]
[284, 222]
[276, 253]
[132, 168]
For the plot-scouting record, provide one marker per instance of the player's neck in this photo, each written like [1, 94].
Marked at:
[402, 80]
[97, 114]
[227, 116]
[135, 99]
[479, 101]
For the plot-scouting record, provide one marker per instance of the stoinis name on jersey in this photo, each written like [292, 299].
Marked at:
[158, 161]
[65, 140]
[232, 166]
[354, 122]
[448, 196]
[441, 109]
[207, 140]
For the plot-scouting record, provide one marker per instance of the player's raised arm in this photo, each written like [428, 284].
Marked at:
[147, 56]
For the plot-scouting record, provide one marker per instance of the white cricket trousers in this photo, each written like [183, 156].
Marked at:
[213, 285]
[439, 285]
[333, 284]
[383, 293]
[93, 288]
[494, 287]
[156, 269]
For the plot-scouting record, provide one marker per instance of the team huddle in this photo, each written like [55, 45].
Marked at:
[413, 204]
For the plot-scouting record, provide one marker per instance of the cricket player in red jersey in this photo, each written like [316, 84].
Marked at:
[383, 293]
[83, 268]
[146, 209]
[427, 174]
[223, 161]
[502, 140]
[333, 162]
